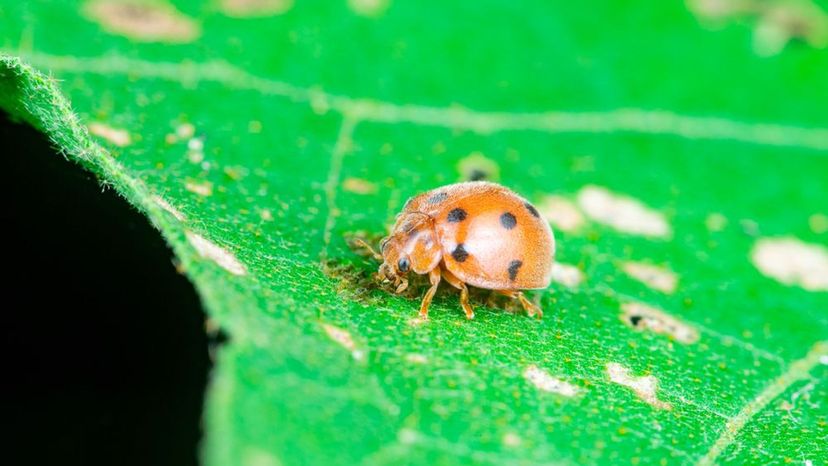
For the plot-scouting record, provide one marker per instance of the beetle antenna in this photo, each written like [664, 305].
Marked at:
[361, 243]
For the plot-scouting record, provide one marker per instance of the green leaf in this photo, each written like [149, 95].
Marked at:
[680, 151]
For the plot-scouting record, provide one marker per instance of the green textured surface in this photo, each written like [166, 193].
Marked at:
[646, 100]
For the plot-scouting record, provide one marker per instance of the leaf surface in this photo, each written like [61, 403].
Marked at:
[684, 168]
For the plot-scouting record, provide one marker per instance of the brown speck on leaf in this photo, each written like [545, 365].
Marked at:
[642, 316]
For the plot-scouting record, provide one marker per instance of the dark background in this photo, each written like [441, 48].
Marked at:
[104, 354]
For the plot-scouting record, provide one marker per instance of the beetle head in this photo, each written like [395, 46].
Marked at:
[411, 247]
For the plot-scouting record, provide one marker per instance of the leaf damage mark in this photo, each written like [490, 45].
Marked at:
[547, 383]
[567, 275]
[561, 213]
[416, 358]
[776, 22]
[117, 136]
[359, 186]
[512, 440]
[642, 316]
[255, 8]
[792, 262]
[202, 188]
[645, 386]
[143, 22]
[344, 338]
[655, 277]
[622, 213]
[209, 250]
[478, 167]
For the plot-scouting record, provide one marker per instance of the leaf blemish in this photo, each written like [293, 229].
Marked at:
[477, 167]
[642, 316]
[202, 188]
[645, 387]
[561, 213]
[546, 382]
[416, 358]
[655, 277]
[622, 213]
[143, 22]
[792, 262]
[359, 186]
[343, 337]
[511, 439]
[117, 136]
[209, 250]
[567, 275]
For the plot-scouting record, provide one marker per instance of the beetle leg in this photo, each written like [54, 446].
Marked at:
[528, 306]
[464, 292]
[434, 278]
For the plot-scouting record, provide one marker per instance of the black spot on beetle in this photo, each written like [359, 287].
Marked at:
[460, 254]
[508, 220]
[513, 269]
[532, 209]
[437, 198]
[456, 215]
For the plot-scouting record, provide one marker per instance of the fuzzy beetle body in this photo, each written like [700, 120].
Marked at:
[475, 233]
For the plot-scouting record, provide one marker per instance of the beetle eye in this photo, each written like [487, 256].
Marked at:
[403, 265]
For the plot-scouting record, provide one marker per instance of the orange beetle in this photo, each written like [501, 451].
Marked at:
[476, 233]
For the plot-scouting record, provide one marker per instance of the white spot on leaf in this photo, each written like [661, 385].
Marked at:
[561, 213]
[185, 130]
[359, 186]
[657, 278]
[217, 254]
[142, 21]
[642, 316]
[792, 262]
[343, 337]
[168, 207]
[202, 188]
[546, 382]
[567, 275]
[416, 358]
[645, 387]
[118, 137]
[622, 213]
[511, 439]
